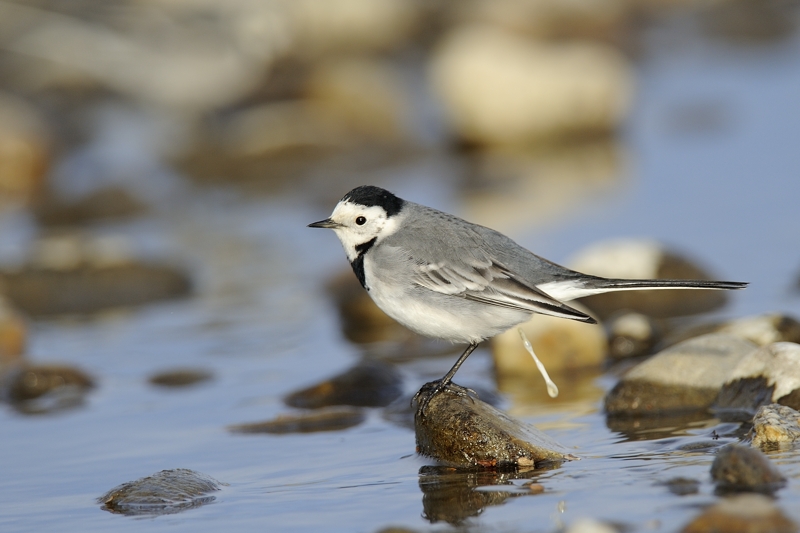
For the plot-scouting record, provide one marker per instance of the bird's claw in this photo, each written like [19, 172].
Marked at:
[432, 388]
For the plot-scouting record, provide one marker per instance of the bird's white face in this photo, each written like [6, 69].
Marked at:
[356, 224]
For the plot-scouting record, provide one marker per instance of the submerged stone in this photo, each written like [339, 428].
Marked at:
[36, 389]
[775, 425]
[165, 492]
[742, 513]
[687, 376]
[742, 469]
[460, 430]
[335, 419]
[180, 377]
[367, 384]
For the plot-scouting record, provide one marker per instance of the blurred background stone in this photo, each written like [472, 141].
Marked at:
[24, 150]
[561, 345]
[327, 419]
[768, 375]
[743, 513]
[498, 88]
[367, 384]
[739, 468]
[631, 334]
[180, 377]
[683, 377]
[44, 388]
[643, 259]
[13, 333]
[762, 329]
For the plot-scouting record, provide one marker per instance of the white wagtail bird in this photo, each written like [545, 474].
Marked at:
[446, 278]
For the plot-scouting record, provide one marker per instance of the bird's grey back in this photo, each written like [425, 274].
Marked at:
[438, 237]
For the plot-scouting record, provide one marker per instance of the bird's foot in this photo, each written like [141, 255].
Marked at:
[424, 395]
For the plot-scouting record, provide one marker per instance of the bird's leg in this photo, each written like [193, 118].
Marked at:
[445, 383]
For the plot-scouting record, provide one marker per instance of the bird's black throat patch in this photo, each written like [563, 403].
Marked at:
[358, 262]
[369, 195]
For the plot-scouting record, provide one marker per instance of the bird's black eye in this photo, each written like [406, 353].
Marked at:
[361, 221]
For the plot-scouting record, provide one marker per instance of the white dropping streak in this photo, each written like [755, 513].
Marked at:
[552, 390]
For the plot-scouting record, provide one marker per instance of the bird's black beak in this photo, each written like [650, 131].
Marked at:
[327, 223]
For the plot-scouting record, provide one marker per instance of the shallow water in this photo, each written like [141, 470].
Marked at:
[711, 168]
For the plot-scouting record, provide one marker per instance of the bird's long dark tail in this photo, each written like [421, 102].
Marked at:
[638, 284]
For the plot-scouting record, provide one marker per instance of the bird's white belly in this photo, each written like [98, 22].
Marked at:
[441, 316]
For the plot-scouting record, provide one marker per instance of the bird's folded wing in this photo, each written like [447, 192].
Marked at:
[492, 284]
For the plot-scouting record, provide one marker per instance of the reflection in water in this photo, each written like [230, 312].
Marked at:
[653, 427]
[453, 495]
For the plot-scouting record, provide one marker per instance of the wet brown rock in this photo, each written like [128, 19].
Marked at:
[460, 430]
[180, 377]
[631, 334]
[774, 426]
[768, 375]
[498, 88]
[335, 419]
[743, 469]
[368, 384]
[643, 259]
[561, 345]
[742, 513]
[85, 288]
[686, 376]
[165, 492]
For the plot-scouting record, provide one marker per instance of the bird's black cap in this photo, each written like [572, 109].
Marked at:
[369, 195]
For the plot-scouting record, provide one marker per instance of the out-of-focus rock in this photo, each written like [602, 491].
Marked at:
[165, 492]
[195, 55]
[644, 259]
[366, 96]
[180, 377]
[547, 18]
[24, 152]
[460, 430]
[775, 425]
[742, 513]
[590, 525]
[13, 334]
[106, 204]
[333, 419]
[498, 88]
[514, 187]
[69, 274]
[761, 329]
[768, 375]
[44, 388]
[739, 468]
[744, 21]
[631, 334]
[561, 345]
[339, 26]
[682, 486]
[368, 384]
[686, 376]
[363, 321]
